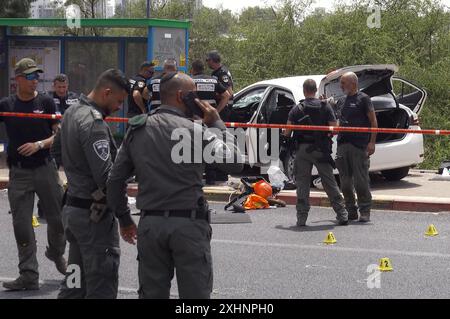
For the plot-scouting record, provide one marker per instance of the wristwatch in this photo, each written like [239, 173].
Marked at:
[40, 144]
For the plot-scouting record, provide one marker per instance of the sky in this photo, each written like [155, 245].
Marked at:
[237, 5]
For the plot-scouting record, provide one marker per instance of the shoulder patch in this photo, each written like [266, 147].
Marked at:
[101, 148]
[138, 121]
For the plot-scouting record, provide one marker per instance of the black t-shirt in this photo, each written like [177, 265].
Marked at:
[352, 112]
[63, 103]
[153, 89]
[320, 113]
[223, 75]
[137, 82]
[28, 130]
[208, 87]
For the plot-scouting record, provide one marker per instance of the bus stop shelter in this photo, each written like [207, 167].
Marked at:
[83, 58]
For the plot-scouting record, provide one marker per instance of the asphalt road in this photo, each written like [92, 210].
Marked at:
[270, 258]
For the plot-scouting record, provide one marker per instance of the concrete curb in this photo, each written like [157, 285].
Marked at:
[380, 202]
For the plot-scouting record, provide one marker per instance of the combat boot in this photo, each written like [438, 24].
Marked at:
[60, 262]
[301, 220]
[364, 218]
[21, 283]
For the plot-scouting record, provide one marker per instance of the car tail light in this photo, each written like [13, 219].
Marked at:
[414, 120]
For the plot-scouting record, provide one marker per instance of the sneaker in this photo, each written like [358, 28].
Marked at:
[21, 284]
[364, 218]
[60, 262]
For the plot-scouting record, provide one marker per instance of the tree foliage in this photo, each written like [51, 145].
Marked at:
[15, 8]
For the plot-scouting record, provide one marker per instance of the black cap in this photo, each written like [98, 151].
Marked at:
[146, 64]
[214, 56]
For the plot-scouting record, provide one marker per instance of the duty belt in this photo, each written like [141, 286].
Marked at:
[193, 214]
[83, 203]
[29, 165]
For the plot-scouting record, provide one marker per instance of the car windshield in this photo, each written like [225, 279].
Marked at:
[249, 99]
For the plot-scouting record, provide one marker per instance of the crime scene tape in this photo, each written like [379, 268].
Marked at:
[266, 126]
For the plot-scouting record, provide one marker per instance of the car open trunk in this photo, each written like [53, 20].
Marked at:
[377, 82]
[389, 116]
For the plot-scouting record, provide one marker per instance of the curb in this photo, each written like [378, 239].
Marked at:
[379, 202]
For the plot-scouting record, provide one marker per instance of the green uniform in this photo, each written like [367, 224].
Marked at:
[352, 160]
[174, 232]
[314, 148]
[86, 149]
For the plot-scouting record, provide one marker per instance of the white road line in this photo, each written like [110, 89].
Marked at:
[332, 248]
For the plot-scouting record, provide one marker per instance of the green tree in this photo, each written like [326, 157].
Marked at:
[15, 8]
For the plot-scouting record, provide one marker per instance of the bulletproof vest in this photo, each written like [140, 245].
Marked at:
[224, 76]
[206, 88]
[63, 103]
[352, 114]
[311, 114]
[154, 89]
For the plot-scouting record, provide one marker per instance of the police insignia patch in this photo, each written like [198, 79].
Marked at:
[141, 84]
[225, 78]
[101, 148]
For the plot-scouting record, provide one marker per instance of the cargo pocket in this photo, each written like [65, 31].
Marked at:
[107, 262]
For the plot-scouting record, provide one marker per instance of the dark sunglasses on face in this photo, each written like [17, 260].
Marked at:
[31, 76]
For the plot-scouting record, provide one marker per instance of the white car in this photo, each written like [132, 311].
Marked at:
[397, 103]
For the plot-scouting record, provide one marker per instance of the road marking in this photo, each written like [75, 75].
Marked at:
[332, 248]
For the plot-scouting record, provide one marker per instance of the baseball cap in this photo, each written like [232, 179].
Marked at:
[214, 56]
[26, 66]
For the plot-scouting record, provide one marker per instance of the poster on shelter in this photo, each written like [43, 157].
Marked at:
[46, 53]
[169, 43]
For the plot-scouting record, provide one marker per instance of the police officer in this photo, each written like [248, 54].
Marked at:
[314, 148]
[32, 171]
[63, 99]
[355, 109]
[174, 230]
[151, 92]
[223, 75]
[210, 90]
[136, 101]
[61, 95]
[86, 149]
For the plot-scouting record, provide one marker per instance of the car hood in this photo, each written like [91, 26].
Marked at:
[374, 80]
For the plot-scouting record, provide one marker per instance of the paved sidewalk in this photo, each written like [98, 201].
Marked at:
[418, 192]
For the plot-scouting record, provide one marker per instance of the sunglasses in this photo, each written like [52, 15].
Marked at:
[31, 76]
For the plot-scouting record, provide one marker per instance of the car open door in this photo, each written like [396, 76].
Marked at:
[250, 101]
[274, 109]
[409, 94]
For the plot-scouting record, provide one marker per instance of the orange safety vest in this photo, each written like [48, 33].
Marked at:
[254, 201]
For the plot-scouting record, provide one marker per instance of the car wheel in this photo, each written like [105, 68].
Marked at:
[395, 174]
[289, 164]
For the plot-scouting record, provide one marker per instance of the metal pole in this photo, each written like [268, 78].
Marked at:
[148, 9]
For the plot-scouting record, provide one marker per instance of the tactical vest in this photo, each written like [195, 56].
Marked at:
[310, 115]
